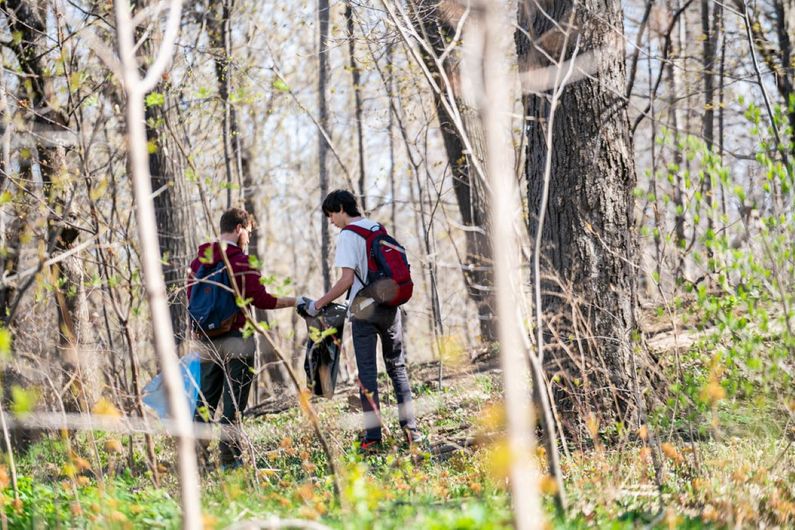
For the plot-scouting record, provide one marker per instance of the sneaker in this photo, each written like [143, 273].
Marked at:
[368, 446]
[231, 465]
[415, 439]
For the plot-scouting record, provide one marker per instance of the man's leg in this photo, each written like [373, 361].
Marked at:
[236, 389]
[365, 340]
[211, 386]
[239, 356]
[395, 359]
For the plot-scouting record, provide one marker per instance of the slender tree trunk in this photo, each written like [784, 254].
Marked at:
[785, 31]
[436, 28]
[357, 95]
[323, 31]
[390, 81]
[219, 31]
[496, 106]
[710, 31]
[588, 237]
[136, 88]
[677, 120]
[50, 123]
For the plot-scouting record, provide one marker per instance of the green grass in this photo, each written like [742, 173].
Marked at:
[743, 478]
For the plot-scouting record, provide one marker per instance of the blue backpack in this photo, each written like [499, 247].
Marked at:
[212, 306]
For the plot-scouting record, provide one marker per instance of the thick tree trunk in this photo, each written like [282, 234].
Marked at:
[588, 239]
[50, 123]
[170, 213]
[435, 22]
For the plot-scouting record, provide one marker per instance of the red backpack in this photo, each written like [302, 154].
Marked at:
[388, 270]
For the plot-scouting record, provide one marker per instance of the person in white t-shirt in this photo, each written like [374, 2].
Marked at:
[378, 321]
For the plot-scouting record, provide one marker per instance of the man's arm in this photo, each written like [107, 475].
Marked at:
[252, 288]
[284, 301]
[338, 289]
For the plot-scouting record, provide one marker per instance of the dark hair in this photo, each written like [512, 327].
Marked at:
[233, 217]
[340, 200]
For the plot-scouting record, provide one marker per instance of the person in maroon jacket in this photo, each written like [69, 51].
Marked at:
[228, 360]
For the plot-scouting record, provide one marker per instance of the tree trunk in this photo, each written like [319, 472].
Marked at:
[436, 24]
[170, 210]
[588, 237]
[357, 95]
[51, 124]
[323, 29]
[785, 31]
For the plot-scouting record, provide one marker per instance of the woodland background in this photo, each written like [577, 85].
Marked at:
[653, 299]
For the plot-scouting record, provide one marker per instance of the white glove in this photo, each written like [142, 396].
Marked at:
[311, 310]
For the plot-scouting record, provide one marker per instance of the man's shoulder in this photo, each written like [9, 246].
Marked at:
[364, 223]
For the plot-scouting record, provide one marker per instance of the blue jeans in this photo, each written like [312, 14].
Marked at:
[384, 322]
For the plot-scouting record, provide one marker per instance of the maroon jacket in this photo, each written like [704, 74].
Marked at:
[246, 277]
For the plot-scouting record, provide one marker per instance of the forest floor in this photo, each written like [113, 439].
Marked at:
[740, 475]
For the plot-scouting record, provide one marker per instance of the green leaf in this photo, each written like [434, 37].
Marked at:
[23, 400]
[155, 99]
[280, 85]
[5, 344]
[208, 256]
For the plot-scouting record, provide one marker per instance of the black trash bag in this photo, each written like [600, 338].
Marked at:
[322, 361]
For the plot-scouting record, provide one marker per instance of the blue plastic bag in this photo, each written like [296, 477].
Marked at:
[154, 394]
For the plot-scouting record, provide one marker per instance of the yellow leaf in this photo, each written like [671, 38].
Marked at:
[548, 485]
[112, 445]
[104, 407]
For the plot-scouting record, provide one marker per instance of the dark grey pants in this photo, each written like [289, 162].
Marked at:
[385, 322]
[230, 383]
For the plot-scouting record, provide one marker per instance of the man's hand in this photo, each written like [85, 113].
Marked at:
[307, 305]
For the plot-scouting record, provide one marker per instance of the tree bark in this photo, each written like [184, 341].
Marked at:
[170, 211]
[588, 237]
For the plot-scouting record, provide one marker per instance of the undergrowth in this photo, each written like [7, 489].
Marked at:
[744, 478]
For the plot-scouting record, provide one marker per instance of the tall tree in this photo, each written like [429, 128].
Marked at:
[49, 121]
[167, 183]
[219, 30]
[357, 100]
[588, 239]
[323, 147]
[436, 21]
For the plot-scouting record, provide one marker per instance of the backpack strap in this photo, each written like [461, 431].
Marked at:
[368, 235]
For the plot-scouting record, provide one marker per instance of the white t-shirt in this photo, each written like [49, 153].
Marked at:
[352, 254]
